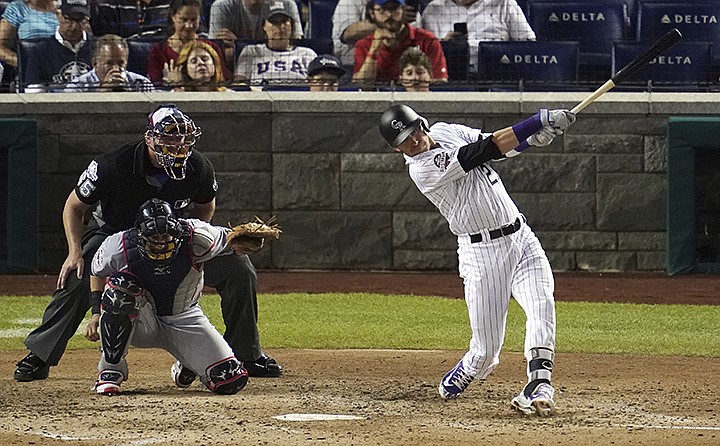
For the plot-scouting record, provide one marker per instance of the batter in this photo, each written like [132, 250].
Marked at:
[499, 255]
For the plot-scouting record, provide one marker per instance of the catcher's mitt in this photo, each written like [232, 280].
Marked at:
[250, 237]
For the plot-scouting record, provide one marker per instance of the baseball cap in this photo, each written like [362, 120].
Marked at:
[384, 2]
[325, 62]
[274, 7]
[75, 9]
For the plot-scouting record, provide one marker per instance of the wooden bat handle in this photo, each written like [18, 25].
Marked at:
[596, 94]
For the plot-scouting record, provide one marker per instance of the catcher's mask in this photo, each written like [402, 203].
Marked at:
[398, 122]
[173, 135]
[159, 232]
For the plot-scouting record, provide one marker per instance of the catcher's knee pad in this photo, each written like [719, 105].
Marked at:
[540, 365]
[119, 306]
[226, 377]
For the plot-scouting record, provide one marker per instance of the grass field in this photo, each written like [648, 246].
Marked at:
[420, 322]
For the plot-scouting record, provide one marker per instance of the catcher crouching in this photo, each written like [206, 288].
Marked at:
[154, 280]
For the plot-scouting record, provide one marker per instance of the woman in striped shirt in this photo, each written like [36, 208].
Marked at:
[25, 19]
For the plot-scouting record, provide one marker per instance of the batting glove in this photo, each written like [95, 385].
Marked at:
[544, 136]
[560, 119]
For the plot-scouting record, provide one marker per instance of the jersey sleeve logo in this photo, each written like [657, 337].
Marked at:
[442, 161]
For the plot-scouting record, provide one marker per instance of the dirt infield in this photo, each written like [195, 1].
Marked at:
[602, 399]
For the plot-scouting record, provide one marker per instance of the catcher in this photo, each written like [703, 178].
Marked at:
[154, 281]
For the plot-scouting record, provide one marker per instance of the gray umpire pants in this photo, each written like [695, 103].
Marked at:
[233, 277]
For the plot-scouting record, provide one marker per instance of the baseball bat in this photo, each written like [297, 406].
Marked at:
[658, 47]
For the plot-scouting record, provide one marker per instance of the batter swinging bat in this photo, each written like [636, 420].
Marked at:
[660, 46]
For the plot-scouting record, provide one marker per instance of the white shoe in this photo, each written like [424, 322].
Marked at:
[108, 382]
[540, 402]
[182, 376]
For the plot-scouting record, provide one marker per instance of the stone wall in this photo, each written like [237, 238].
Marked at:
[596, 197]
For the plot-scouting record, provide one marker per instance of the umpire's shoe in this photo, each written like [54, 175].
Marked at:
[31, 368]
[263, 367]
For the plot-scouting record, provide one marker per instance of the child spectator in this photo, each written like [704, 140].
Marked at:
[324, 73]
[416, 69]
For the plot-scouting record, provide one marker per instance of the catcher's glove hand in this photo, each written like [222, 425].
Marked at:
[250, 237]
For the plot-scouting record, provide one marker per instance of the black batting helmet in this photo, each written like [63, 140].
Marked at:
[398, 122]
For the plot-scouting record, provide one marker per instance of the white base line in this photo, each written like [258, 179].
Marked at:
[648, 426]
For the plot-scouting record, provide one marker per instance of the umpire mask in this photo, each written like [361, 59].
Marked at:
[173, 135]
[159, 232]
[398, 122]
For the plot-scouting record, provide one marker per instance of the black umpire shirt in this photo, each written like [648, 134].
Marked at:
[122, 180]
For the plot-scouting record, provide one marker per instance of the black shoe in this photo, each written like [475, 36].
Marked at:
[263, 367]
[31, 368]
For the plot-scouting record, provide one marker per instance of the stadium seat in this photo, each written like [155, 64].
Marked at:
[457, 56]
[139, 49]
[697, 20]
[319, 23]
[595, 25]
[26, 49]
[632, 11]
[687, 66]
[540, 65]
[320, 46]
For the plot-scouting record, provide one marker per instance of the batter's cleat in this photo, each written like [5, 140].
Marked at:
[30, 368]
[454, 382]
[263, 367]
[182, 376]
[108, 382]
[540, 402]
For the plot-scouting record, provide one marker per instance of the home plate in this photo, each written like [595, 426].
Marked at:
[316, 417]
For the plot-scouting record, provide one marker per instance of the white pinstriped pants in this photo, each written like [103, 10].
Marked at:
[493, 271]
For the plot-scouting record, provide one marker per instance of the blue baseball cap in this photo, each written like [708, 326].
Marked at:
[384, 2]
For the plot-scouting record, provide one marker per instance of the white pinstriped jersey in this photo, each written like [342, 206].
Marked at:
[470, 201]
[207, 241]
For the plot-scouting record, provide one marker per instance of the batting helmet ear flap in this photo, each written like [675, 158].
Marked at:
[398, 122]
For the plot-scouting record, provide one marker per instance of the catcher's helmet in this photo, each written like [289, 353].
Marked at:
[173, 135]
[159, 232]
[398, 122]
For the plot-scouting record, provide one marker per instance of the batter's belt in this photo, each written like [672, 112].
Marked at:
[499, 232]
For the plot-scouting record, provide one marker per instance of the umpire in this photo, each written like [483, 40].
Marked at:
[116, 184]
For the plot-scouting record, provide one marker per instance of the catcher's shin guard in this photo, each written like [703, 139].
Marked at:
[119, 306]
[226, 377]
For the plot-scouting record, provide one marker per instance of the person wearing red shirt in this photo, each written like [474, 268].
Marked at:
[377, 56]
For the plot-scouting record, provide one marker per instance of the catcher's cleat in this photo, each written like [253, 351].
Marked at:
[30, 368]
[454, 382]
[108, 382]
[182, 376]
[263, 367]
[540, 401]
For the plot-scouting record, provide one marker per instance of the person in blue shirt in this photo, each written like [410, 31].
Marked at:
[25, 19]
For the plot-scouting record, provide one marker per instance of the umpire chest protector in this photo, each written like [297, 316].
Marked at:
[162, 279]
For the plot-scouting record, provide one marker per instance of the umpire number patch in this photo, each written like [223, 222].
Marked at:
[86, 188]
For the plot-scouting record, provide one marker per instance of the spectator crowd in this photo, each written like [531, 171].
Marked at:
[225, 45]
